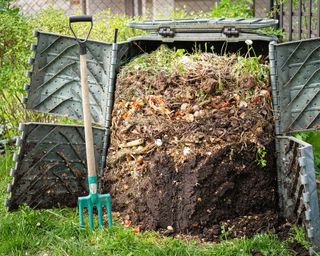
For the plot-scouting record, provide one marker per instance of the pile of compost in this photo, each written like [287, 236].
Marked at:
[192, 146]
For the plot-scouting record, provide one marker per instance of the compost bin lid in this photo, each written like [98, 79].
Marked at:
[204, 25]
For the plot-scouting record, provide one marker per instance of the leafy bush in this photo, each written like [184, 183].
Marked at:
[313, 138]
[5, 6]
[14, 50]
[15, 40]
[56, 21]
[233, 9]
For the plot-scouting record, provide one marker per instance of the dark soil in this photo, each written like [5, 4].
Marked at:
[184, 152]
[204, 196]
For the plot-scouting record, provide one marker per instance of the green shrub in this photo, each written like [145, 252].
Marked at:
[15, 38]
[5, 6]
[233, 9]
[313, 138]
[56, 21]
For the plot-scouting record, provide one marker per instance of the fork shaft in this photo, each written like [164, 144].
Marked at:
[87, 116]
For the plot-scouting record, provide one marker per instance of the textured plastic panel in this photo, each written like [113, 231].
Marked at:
[295, 74]
[297, 186]
[204, 30]
[204, 25]
[55, 78]
[50, 166]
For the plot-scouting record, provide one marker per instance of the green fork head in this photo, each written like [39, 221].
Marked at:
[94, 200]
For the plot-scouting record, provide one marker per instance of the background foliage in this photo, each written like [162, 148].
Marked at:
[313, 138]
[233, 9]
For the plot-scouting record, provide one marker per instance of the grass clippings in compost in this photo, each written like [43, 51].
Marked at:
[192, 146]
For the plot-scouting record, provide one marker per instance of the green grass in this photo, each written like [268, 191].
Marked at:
[298, 235]
[57, 232]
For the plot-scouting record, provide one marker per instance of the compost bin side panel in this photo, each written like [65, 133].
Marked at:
[50, 166]
[55, 78]
[299, 189]
[310, 196]
[297, 71]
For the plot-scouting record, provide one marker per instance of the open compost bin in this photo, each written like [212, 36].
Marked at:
[197, 149]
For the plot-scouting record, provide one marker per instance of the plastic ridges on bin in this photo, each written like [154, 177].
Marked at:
[13, 171]
[275, 92]
[110, 103]
[55, 81]
[50, 170]
[295, 79]
[298, 197]
[310, 196]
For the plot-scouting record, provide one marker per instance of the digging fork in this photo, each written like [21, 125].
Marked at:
[94, 199]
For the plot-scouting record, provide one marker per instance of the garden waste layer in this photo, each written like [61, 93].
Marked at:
[192, 144]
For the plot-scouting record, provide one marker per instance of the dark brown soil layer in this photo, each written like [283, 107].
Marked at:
[204, 196]
[187, 150]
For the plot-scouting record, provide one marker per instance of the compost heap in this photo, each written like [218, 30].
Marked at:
[192, 145]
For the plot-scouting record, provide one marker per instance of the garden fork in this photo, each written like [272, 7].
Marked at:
[94, 199]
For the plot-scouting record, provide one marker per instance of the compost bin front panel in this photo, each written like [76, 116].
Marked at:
[55, 77]
[297, 185]
[50, 166]
[295, 77]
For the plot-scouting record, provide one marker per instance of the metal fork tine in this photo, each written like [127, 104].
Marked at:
[90, 214]
[81, 208]
[109, 212]
[105, 200]
[100, 220]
